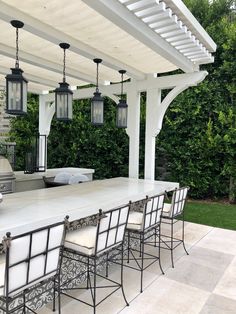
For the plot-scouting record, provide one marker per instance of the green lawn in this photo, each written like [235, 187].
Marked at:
[212, 214]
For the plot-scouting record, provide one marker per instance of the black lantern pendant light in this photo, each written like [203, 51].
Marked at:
[122, 107]
[97, 102]
[16, 84]
[63, 94]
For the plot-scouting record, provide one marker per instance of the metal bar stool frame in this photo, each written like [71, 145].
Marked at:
[148, 235]
[24, 290]
[92, 264]
[178, 202]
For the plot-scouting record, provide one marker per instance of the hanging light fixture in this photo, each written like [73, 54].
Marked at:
[122, 107]
[63, 94]
[97, 102]
[16, 84]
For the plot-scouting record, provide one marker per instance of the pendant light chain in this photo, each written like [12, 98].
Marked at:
[122, 76]
[17, 49]
[97, 80]
[64, 66]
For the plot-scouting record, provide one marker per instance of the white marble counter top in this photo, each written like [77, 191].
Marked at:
[21, 176]
[25, 211]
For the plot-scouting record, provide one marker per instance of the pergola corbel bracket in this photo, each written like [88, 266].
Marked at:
[187, 80]
[46, 113]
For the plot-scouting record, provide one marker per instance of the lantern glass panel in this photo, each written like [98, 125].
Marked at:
[14, 95]
[122, 117]
[25, 90]
[70, 100]
[97, 111]
[61, 106]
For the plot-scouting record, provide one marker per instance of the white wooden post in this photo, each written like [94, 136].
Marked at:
[46, 112]
[152, 104]
[133, 101]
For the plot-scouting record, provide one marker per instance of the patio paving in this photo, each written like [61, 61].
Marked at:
[203, 282]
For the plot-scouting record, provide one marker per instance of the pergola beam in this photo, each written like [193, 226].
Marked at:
[163, 82]
[126, 20]
[55, 36]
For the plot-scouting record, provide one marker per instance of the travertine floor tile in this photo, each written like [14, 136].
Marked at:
[217, 304]
[166, 296]
[227, 285]
[194, 233]
[210, 258]
[220, 240]
[195, 275]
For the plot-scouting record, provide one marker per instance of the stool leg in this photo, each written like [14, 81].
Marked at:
[142, 257]
[140, 243]
[107, 258]
[59, 295]
[155, 237]
[94, 286]
[7, 305]
[128, 246]
[24, 308]
[183, 235]
[87, 273]
[122, 271]
[159, 250]
[171, 242]
[54, 295]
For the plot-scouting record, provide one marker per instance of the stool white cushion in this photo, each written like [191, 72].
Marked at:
[135, 220]
[166, 210]
[82, 240]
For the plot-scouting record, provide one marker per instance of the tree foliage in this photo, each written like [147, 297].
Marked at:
[199, 129]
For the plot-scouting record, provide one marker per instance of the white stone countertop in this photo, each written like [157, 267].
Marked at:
[25, 211]
[21, 176]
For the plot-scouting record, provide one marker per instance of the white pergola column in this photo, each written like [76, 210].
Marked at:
[46, 112]
[133, 129]
[152, 104]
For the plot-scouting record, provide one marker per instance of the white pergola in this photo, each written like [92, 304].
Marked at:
[144, 37]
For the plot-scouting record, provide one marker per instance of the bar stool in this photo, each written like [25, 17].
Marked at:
[143, 227]
[32, 259]
[170, 214]
[94, 242]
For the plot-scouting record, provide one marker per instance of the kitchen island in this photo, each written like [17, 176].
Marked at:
[25, 211]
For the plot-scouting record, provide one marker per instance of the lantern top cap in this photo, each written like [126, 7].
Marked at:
[96, 60]
[122, 71]
[17, 24]
[64, 45]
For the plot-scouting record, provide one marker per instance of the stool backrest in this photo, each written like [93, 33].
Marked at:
[32, 257]
[153, 210]
[111, 228]
[178, 201]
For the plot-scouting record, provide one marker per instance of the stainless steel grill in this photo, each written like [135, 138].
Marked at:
[7, 177]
